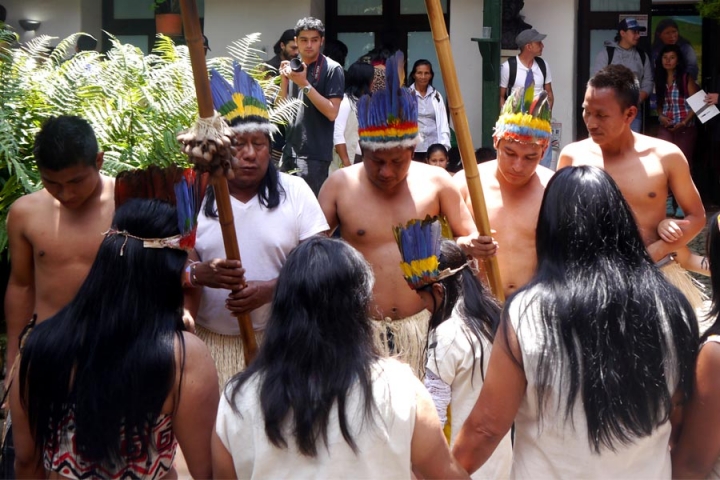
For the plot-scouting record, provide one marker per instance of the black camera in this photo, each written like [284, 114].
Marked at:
[296, 65]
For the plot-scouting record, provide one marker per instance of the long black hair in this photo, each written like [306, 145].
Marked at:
[358, 79]
[661, 74]
[610, 322]
[318, 345]
[478, 309]
[109, 354]
[712, 249]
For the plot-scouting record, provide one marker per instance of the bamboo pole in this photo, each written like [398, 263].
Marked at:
[194, 39]
[462, 130]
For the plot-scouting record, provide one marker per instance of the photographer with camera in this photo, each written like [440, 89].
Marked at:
[320, 83]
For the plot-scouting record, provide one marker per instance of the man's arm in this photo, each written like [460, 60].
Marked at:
[499, 401]
[504, 79]
[565, 159]
[461, 222]
[328, 199]
[601, 61]
[551, 96]
[327, 106]
[646, 84]
[687, 196]
[20, 294]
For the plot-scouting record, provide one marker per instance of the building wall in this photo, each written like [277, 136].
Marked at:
[466, 19]
[558, 20]
[226, 21]
[59, 18]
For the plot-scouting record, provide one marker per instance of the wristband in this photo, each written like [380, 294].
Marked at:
[189, 278]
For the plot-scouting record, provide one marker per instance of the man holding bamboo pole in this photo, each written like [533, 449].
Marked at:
[273, 213]
[388, 189]
[513, 185]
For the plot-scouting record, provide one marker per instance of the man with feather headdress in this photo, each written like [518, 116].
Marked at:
[513, 185]
[387, 189]
[273, 213]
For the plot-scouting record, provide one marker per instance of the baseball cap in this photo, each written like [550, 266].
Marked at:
[630, 24]
[528, 36]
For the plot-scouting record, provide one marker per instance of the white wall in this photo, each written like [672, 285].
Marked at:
[466, 17]
[59, 18]
[558, 20]
[227, 21]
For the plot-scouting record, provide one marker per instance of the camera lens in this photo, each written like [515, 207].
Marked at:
[296, 65]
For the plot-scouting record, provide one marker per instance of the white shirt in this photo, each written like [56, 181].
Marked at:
[521, 75]
[383, 444]
[450, 357]
[560, 448]
[265, 238]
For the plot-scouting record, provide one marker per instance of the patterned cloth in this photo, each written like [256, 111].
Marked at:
[675, 108]
[63, 457]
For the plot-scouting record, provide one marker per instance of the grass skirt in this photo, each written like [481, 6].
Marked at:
[226, 350]
[404, 339]
[691, 288]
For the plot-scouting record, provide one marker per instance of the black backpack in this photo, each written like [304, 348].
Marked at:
[611, 52]
[512, 63]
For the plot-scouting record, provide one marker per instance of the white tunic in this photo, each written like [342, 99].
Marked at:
[450, 357]
[557, 448]
[383, 445]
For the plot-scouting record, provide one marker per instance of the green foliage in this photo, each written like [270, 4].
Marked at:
[709, 9]
[135, 103]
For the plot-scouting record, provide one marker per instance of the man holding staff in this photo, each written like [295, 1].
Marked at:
[273, 213]
[393, 189]
[513, 185]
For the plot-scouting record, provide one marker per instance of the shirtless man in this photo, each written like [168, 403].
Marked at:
[387, 189]
[513, 187]
[54, 234]
[642, 166]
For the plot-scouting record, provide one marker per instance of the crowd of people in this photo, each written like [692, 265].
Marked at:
[382, 352]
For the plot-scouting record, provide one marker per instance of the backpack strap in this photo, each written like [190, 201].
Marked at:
[512, 63]
[543, 68]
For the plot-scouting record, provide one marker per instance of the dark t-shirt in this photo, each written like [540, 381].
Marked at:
[311, 135]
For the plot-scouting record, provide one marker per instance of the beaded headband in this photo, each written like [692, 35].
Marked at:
[524, 118]
[241, 104]
[389, 117]
[173, 242]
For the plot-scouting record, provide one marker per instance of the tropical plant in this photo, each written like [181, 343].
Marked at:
[135, 103]
[709, 9]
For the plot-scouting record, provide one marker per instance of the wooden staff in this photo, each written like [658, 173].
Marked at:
[194, 39]
[462, 130]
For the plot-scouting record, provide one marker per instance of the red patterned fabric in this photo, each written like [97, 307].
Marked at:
[63, 458]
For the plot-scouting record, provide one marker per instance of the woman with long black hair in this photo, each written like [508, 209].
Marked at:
[465, 317]
[697, 453]
[110, 385]
[593, 354]
[318, 401]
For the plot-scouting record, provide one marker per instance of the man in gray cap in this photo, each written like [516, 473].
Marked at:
[624, 51]
[514, 71]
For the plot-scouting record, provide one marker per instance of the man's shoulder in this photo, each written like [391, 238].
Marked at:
[30, 206]
[332, 64]
[658, 148]
[544, 174]
[581, 146]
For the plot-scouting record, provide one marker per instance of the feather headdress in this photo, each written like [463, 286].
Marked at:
[182, 187]
[524, 118]
[419, 243]
[241, 104]
[389, 117]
